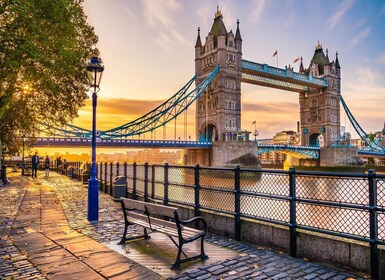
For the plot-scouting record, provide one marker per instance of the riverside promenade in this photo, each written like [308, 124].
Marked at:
[45, 235]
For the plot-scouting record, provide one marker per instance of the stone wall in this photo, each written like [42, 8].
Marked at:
[340, 252]
[224, 152]
[340, 156]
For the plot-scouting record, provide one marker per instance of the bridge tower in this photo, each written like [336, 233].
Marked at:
[218, 111]
[320, 108]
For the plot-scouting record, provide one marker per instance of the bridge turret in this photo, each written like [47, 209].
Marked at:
[218, 113]
[320, 108]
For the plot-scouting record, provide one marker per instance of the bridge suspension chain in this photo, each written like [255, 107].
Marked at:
[158, 117]
[373, 145]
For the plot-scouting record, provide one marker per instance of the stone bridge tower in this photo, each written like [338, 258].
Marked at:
[320, 108]
[218, 110]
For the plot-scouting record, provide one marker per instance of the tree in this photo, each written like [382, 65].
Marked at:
[44, 48]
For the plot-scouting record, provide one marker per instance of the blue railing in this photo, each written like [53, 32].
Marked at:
[285, 73]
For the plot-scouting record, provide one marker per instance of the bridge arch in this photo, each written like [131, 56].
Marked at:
[208, 132]
[316, 140]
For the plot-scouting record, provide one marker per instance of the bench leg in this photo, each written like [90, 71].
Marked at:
[123, 240]
[177, 263]
[203, 255]
[145, 235]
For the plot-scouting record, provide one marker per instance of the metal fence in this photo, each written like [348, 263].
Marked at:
[346, 205]
[339, 204]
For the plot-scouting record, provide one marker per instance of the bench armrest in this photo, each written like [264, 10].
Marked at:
[198, 218]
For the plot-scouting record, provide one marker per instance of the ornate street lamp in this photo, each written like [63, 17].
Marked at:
[95, 70]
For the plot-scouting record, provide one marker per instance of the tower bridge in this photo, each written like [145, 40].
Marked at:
[219, 72]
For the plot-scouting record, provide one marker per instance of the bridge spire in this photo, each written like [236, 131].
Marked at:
[301, 68]
[337, 62]
[238, 33]
[198, 43]
[327, 56]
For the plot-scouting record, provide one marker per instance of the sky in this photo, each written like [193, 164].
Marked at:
[147, 47]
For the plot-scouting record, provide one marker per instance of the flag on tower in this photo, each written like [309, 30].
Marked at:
[276, 52]
[253, 122]
[296, 60]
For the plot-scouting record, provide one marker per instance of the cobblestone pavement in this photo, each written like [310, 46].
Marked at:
[254, 263]
[14, 264]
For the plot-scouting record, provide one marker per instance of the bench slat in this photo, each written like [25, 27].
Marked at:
[161, 210]
[135, 204]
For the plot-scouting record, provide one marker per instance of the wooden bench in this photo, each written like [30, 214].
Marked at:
[149, 216]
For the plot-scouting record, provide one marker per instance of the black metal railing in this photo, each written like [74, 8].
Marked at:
[338, 204]
[349, 205]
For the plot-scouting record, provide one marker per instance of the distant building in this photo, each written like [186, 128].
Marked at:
[288, 137]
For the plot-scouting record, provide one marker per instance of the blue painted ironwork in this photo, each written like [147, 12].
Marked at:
[297, 151]
[79, 142]
[164, 113]
[154, 119]
[95, 70]
[253, 72]
[372, 145]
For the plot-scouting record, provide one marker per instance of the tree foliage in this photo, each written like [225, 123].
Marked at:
[44, 48]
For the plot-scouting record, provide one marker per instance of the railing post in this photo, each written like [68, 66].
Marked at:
[111, 167]
[293, 213]
[125, 175]
[134, 181]
[153, 181]
[374, 262]
[196, 193]
[165, 195]
[101, 176]
[105, 177]
[237, 206]
[146, 182]
[117, 169]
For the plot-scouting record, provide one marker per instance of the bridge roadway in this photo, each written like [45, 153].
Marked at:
[111, 143]
[263, 147]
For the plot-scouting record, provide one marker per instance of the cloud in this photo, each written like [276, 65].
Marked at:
[361, 36]
[364, 96]
[114, 112]
[268, 121]
[259, 6]
[161, 16]
[340, 13]
[129, 12]
[205, 14]
[381, 59]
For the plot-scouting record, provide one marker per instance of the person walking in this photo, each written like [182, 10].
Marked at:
[35, 164]
[46, 166]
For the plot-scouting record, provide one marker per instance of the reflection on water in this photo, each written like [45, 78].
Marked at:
[321, 188]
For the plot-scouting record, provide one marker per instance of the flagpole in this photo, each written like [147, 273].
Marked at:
[277, 59]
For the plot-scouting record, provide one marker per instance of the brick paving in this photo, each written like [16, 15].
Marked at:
[255, 262]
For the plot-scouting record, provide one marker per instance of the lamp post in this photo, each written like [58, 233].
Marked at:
[95, 70]
[256, 133]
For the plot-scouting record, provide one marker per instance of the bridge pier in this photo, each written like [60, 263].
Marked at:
[194, 156]
[224, 154]
[339, 156]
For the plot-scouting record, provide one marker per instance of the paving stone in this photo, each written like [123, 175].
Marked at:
[214, 268]
[220, 271]
[311, 276]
